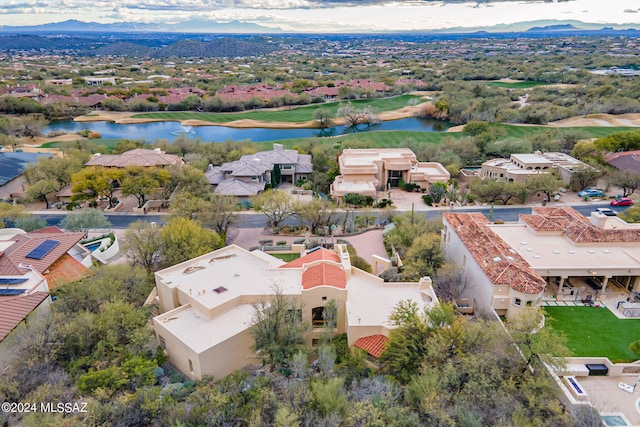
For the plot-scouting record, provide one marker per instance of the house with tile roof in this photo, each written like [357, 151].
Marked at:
[624, 160]
[250, 174]
[12, 168]
[30, 265]
[553, 248]
[207, 304]
[138, 157]
[365, 171]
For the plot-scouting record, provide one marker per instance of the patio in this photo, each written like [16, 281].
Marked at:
[606, 395]
[573, 296]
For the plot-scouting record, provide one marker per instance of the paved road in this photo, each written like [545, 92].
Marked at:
[256, 220]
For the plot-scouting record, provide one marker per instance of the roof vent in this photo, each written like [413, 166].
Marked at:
[606, 251]
[536, 256]
[556, 252]
[497, 259]
[510, 258]
[571, 251]
[523, 243]
[220, 289]
[591, 251]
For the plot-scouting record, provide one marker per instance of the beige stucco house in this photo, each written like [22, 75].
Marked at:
[207, 304]
[519, 167]
[364, 171]
[554, 248]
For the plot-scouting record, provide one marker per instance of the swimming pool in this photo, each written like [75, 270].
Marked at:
[93, 246]
[614, 420]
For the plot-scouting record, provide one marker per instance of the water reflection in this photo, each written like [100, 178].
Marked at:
[172, 130]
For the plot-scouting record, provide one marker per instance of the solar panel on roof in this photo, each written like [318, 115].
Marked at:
[9, 292]
[43, 249]
[12, 280]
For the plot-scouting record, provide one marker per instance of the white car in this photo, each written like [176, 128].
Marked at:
[606, 211]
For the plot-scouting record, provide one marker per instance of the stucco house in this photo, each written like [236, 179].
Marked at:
[365, 171]
[138, 157]
[30, 264]
[519, 167]
[12, 168]
[554, 249]
[207, 304]
[250, 174]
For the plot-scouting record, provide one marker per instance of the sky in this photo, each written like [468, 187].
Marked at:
[323, 15]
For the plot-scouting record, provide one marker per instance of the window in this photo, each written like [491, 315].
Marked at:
[285, 167]
[529, 303]
[317, 317]
[464, 260]
[324, 298]
[190, 366]
[518, 302]
[163, 343]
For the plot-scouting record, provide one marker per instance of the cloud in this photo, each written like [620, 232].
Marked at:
[59, 6]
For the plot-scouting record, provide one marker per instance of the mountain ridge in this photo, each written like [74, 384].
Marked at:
[238, 27]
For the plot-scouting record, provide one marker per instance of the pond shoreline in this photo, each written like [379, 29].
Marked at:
[126, 118]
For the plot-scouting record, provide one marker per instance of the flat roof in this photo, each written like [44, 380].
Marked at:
[370, 301]
[531, 158]
[555, 251]
[350, 186]
[237, 270]
[201, 333]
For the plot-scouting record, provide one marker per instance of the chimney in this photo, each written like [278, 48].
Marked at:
[278, 147]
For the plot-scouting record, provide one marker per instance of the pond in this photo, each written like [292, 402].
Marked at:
[172, 130]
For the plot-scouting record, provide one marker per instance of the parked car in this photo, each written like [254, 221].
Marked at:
[623, 201]
[606, 211]
[591, 192]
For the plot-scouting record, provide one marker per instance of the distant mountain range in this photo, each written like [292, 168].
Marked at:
[237, 27]
[192, 26]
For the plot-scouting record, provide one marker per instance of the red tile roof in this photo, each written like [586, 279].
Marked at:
[324, 275]
[66, 270]
[500, 262]
[25, 243]
[317, 255]
[50, 229]
[375, 345]
[14, 310]
[575, 226]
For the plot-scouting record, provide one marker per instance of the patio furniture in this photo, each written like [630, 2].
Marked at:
[588, 300]
[626, 387]
[597, 369]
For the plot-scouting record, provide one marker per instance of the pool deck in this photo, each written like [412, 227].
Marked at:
[605, 395]
[603, 392]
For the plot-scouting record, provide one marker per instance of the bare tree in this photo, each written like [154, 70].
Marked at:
[354, 117]
[450, 282]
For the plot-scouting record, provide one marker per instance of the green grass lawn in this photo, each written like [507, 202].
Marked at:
[107, 142]
[517, 85]
[286, 257]
[594, 331]
[294, 114]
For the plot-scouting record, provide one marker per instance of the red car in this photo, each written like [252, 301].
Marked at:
[625, 201]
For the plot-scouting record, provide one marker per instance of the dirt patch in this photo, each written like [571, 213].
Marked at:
[631, 119]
